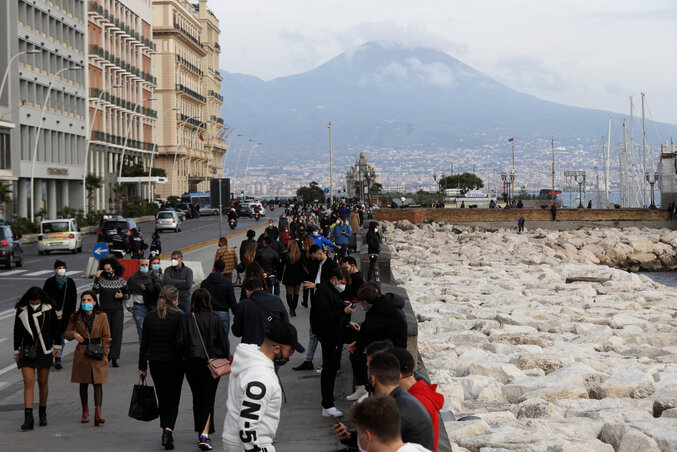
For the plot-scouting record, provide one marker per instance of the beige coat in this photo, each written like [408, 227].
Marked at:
[85, 369]
[355, 223]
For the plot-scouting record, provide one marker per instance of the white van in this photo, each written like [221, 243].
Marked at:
[62, 234]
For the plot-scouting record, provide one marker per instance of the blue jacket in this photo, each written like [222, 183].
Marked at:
[320, 240]
[338, 234]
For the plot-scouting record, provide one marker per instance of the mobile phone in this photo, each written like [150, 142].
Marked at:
[336, 421]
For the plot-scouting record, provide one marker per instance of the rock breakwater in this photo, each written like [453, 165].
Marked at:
[546, 365]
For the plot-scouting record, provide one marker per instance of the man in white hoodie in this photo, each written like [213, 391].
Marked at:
[254, 392]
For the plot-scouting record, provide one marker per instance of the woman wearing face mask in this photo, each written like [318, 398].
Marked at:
[89, 325]
[155, 267]
[37, 339]
[373, 248]
[64, 295]
[202, 326]
[112, 290]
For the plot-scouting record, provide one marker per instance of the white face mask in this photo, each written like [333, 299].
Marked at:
[340, 287]
[34, 307]
[61, 272]
[175, 263]
[375, 229]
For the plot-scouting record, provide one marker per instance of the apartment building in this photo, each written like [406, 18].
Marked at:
[121, 89]
[43, 104]
[188, 91]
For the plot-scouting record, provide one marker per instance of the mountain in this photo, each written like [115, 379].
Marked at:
[387, 96]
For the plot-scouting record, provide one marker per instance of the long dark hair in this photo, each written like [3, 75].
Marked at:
[34, 293]
[201, 300]
[254, 270]
[118, 269]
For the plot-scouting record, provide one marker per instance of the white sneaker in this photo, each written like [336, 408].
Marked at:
[318, 370]
[359, 392]
[326, 412]
[364, 396]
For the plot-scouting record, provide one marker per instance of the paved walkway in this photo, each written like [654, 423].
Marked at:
[302, 428]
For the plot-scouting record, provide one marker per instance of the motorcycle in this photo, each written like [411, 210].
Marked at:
[257, 215]
[233, 223]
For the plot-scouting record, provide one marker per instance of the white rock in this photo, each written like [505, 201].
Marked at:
[462, 429]
[537, 408]
[635, 440]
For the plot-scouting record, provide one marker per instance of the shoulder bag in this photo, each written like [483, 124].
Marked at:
[59, 313]
[217, 366]
[93, 351]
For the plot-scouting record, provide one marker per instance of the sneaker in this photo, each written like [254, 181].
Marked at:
[319, 370]
[326, 412]
[205, 443]
[359, 392]
[364, 396]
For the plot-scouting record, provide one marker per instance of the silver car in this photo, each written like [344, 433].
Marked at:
[167, 219]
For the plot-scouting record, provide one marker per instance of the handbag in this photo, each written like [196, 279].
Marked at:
[59, 313]
[217, 366]
[143, 406]
[92, 350]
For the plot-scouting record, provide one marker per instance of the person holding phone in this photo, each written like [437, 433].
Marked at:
[112, 290]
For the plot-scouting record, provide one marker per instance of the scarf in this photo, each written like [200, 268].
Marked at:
[61, 281]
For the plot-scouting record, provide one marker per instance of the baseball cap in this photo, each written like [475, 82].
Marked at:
[284, 333]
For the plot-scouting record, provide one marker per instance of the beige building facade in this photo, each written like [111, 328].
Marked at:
[190, 131]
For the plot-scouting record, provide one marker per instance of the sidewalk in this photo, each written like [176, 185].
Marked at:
[302, 428]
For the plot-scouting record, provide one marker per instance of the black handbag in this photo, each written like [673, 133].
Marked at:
[92, 350]
[143, 406]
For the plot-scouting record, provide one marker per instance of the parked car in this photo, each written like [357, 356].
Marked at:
[109, 227]
[167, 219]
[11, 251]
[59, 235]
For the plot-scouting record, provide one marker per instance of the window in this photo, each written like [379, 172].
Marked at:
[5, 151]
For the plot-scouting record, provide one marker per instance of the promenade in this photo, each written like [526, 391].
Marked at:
[302, 428]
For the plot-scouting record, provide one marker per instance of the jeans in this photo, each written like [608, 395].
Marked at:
[273, 285]
[312, 345]
[184, 305]
[225, 319]
[139, 312]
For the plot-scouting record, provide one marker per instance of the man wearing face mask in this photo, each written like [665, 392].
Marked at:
[321, 240]
[145, 288]
[341, 233]
[181, 277]
[327, 317]
[254, 391]
[64, 295]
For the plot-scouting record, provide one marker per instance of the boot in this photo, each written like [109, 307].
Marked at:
[304, 303]
[85, 414]
[97, 416]
[42, 415]
[57, 364]
[167, 439]
[305, 365]
[28, 419]
[291, 307]
[295, 301]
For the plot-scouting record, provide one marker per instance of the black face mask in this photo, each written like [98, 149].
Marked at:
[280, 361]
[369, 387]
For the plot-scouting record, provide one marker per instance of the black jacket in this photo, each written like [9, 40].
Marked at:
[41, 328]
[373, 242]
[267, 258]
[327, 313]
[250, 322]
[158, 338]
[65, 298]
[243, 247]
[151, 282]
[325, 274]
[356, 281]
[222, 292]
[213, 335]
[416, 427]
[382, 321]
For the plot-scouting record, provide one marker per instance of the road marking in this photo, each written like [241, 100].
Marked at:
[212, 242]
[12, 272]
[41, 272]
[8, 368]
[74, 272]
[3, 339]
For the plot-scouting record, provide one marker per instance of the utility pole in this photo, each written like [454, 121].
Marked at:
[331, 170]
[552, 146]
[646, 171]
[512, 188]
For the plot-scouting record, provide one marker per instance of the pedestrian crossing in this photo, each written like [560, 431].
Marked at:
[29, 273]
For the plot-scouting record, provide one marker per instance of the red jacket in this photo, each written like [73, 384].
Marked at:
[432, 401]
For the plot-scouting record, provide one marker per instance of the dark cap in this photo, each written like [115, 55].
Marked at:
[59, 263]
[284, 333]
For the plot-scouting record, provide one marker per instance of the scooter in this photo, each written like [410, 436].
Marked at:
[257, 216]
[233, 223]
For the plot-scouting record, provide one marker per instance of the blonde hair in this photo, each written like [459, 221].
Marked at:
[165, 303]
[250, 252]
[293, 253]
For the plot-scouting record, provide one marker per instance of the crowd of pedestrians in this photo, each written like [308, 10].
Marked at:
[183, 330]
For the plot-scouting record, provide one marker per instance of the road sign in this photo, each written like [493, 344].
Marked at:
[326, 190]
[100, 250]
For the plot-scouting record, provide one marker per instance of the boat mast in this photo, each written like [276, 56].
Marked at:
[604, 162]
[599, 196]
[608, 163]
[552, 146]
[644, 182]
[623, 174]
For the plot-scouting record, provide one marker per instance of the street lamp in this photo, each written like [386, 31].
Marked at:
[176, 151]
[580, 180]
[244, 179]
[9, 65]
[237, 164]
[197, 129]
[508, 180]
[652, 179]
[129, 128]
[37, 133]
[152, 157]
[220, 136]
[89, 137]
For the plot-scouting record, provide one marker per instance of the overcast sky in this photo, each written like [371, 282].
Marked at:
[588, 53]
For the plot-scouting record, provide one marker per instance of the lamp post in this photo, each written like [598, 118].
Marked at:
[652, 178]
[331, 170]
[237, 164]
[190, 156]
[152, 157]
[176, 151]
[37, 134]
[580, 180]
[9, 65]
[89, 137]
[129, 128]
[244, 179]
[508, 180]
[218, 135]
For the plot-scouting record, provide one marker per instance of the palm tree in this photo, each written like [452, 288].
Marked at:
[5, 193]
[119, 191]
[92, 182]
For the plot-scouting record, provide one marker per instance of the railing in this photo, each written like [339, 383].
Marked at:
[217, 45]
[194, 121]
[106, 55]
[122, 103]
[189, 65]
[190, 92]
[217, 119]
[216, 95]
[177, 26]
[95, 7]
[119, 141]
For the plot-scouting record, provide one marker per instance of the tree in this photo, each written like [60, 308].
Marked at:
[310, 193]
[119, 191]
[92, 182]
[465, 181]
[375, 189]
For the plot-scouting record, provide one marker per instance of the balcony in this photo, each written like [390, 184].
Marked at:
[119, 141]
[193, 121]
[194, 94]
[189, 65]
[185, 33]
[216, 95]
[217, 119]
